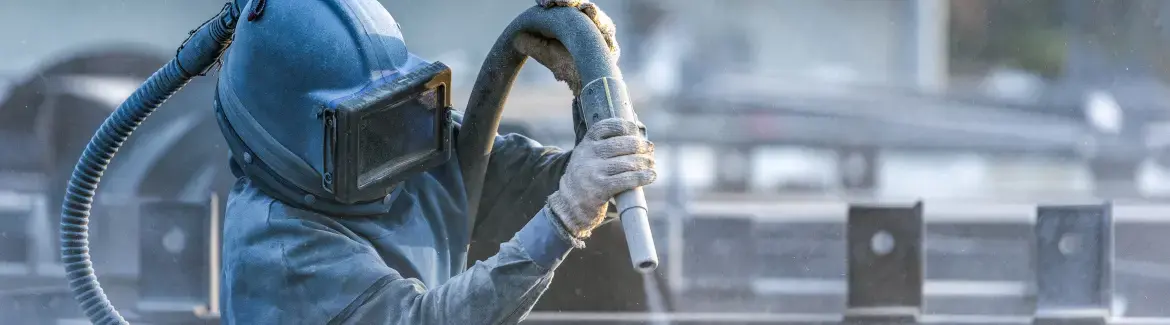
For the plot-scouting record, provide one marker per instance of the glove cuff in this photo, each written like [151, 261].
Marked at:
[577, 227]
[562, 231]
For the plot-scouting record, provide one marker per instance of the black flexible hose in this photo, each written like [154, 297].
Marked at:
[195, 57]
[602, 94]
[568, 25]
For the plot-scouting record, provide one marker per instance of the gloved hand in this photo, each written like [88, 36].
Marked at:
[603, 22]
[553, 55]
[613, 157]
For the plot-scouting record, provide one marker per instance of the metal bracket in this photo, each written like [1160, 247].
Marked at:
[173, 242]
[885, 263]
[1074, 264]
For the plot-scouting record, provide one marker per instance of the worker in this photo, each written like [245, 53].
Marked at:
[346, 212]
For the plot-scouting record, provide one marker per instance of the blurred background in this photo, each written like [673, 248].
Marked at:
[770, 117]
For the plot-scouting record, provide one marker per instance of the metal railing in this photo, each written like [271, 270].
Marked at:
[1069, 249]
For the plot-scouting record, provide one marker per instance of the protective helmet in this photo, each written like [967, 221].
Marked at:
[324, 107]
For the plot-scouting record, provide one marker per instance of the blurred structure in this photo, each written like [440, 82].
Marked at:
[53, 113]
[779, 111]
[161, 198]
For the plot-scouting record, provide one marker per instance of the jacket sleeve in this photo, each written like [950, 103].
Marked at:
[499, 290]
[520, 176]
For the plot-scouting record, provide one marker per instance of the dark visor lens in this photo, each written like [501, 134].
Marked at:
[393, 137]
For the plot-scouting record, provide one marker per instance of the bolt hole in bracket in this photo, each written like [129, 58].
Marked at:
[882, 243]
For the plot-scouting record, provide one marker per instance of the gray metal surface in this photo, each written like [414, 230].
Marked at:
[884, 248]
[1074, 262]
[175, 252]
[979, 260]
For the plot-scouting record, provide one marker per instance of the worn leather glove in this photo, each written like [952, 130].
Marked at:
[613, 157]
[553, 55]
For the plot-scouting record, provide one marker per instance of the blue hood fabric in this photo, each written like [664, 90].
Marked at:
[284, 67]
[292, 257]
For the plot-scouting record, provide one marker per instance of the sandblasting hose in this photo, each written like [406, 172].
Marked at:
[195, 57]
[603, 95]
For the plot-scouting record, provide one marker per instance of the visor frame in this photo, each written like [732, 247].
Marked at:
[341, 124]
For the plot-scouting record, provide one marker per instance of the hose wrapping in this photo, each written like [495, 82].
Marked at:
[198, 54]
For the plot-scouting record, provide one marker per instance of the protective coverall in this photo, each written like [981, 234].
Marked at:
[400, 267]
[285, 262]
